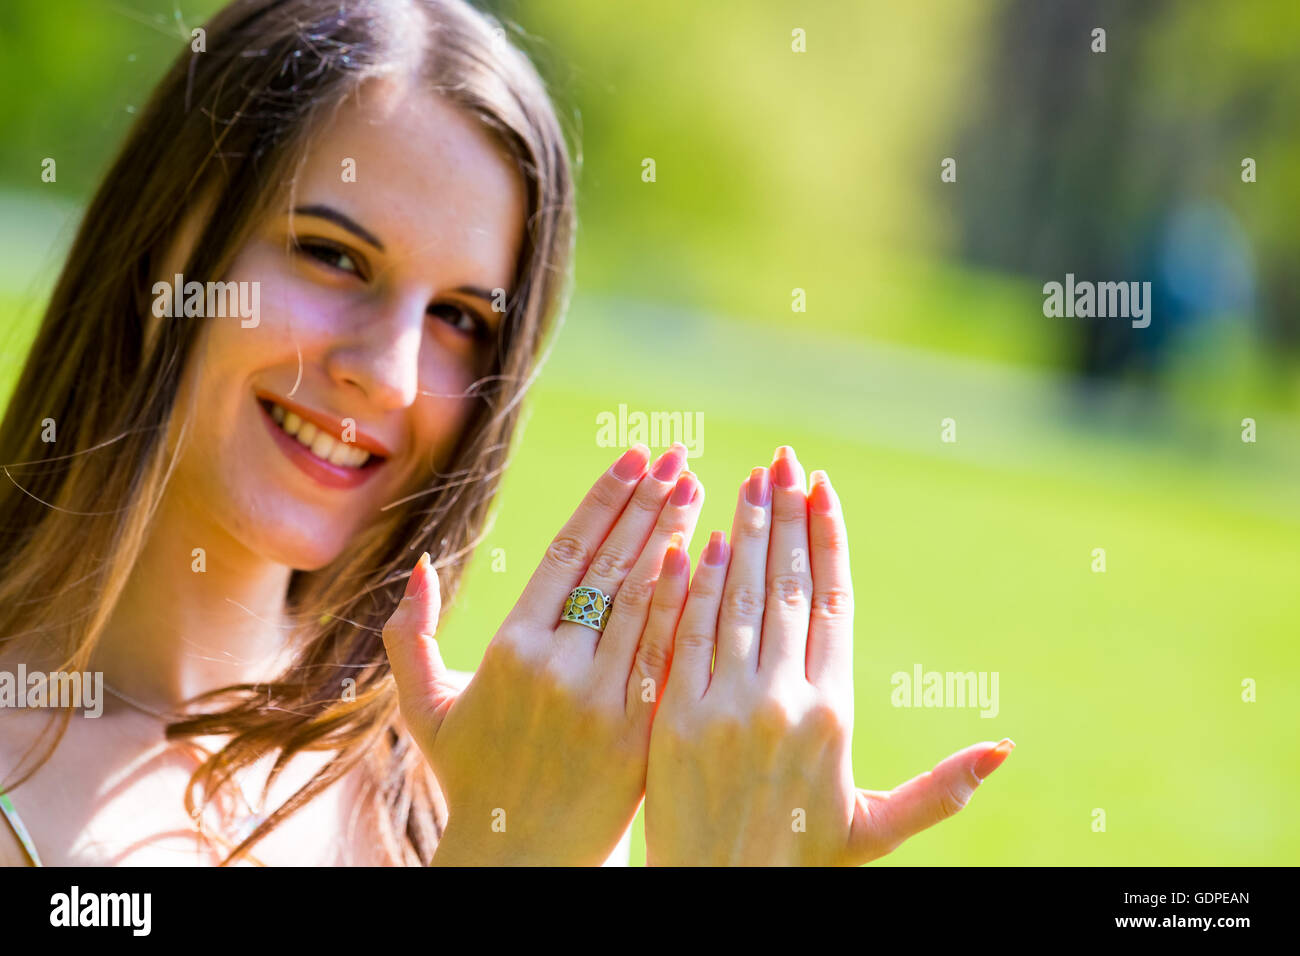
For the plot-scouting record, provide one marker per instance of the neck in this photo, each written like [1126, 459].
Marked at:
[178, 631]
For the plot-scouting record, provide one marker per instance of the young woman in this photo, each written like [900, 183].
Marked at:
[218, 508]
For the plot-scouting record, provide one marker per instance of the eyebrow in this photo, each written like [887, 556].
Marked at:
[330, 214]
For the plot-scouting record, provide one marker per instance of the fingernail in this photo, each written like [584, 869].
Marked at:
[820, 501]
[419, 578]
[632, 463]
[684, 490]
[715, 552]
[783, 473]
[675, 560]
[760, 489]
[993, 759]
[670, 462]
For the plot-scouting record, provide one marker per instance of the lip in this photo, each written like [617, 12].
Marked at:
[322, 472]
[330, 426]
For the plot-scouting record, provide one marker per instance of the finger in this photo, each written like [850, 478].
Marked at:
[740, 621]
[784, 646]
[572, 550]
[884, 820]
[425, 690]
[618, 553]
[624, 638]
[697, 628]
[830, 633]
[649, 675]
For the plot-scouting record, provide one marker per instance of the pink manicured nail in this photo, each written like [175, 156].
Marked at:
[670, 462]
[819, 501]
[632, 463]
[993, 759]
[760, 489]
[783, 473]
[675, 561]
[419, 578]
[715, 552]
[683, 491]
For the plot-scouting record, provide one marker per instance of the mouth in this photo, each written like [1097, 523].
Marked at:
[322, 456]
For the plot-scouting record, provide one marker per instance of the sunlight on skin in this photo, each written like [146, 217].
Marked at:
[352, 331]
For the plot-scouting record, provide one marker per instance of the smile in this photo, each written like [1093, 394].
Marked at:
[323, 455]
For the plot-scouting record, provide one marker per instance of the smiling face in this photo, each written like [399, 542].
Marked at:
[375, 316]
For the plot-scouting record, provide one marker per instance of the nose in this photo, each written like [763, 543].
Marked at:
[382, 357]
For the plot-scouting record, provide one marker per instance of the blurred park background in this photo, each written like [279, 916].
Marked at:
[778, 170]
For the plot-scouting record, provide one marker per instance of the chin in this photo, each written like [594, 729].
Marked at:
[301, 541]
[301, 553]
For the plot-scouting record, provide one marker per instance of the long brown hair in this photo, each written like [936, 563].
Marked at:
[234, 121]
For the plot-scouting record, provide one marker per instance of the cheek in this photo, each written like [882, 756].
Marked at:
[443, 410]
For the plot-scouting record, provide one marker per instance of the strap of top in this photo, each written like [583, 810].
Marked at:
[20, 831]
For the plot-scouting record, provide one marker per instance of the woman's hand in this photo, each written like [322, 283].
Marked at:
[750, 758]
[542, 758]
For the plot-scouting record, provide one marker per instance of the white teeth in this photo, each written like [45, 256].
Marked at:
[320, 443]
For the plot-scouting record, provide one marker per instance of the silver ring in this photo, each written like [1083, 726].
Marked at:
[589, 607]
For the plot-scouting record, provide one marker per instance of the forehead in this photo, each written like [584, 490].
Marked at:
[431, 182]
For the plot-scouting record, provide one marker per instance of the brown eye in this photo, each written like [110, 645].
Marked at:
[330, 255]
[461, 319]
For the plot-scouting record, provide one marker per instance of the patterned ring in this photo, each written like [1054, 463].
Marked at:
[589, 607]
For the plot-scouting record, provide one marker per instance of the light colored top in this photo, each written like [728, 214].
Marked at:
[20, 831]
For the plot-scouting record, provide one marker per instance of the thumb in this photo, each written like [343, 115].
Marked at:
[883, 820]
[424, 690]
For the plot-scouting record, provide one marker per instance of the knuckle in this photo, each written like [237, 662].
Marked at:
[832, 603]
[505, 655]
[706, 587]
[953, 798]
[635, 592]
[751, 524]
[789, 591]
[652, 657]
[789, 517]
[607, 495]
[832, 536]
[772, 717]
[555, 680]
[611, 563]
[647, 500]
[823, 720]
[743, 601]
[672, 732]
[693, 639]
[664, 602]
[567, 553]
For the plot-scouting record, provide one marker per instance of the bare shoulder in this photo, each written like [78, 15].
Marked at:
[15, 737]
[11, 851]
